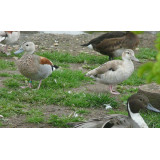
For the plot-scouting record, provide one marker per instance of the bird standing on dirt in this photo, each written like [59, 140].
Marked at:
[33, 66]
[115, 71]
[9, 37]
[113, 44]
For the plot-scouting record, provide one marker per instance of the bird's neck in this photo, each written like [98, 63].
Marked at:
[136, 117]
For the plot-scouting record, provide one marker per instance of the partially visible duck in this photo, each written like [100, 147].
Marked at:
[33, 66]
[135, 103]
[113, 44]
[9, 37]
[116, 71]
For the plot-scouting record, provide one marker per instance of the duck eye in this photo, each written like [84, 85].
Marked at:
[127, 52]
[26, 44]
[140, 99]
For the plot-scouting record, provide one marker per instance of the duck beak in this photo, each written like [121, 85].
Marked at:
[150, 107]
[19, 51]
[134, 59]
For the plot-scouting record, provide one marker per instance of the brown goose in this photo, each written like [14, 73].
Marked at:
[113, 44]
[135, 103]
[9, 37]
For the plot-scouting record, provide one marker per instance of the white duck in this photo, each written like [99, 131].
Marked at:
[9, 37]
[33, 66]
[116, 71]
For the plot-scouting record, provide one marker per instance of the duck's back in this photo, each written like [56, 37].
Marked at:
[109, 121]
[108, 35]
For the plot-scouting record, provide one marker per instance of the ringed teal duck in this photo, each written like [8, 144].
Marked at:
[9, 37]
[135, 103]
[33, 66]
[113, 44]
[115, 71]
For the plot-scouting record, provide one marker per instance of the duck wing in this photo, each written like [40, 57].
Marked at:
[109, 66]
[109, 121]
[110, 45]
[108, 35]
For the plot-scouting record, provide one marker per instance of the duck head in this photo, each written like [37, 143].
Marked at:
[136, 103]
[139, 102]
[28, 47]
[128, 54]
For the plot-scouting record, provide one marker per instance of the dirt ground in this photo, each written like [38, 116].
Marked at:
[70, 44]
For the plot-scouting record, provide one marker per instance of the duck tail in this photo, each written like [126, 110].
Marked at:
[84, 45]
[54, 67]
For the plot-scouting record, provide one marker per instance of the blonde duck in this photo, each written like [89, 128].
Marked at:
[33, 66]
[113, 43]
[9, 37]
[135, 104]
[116, 71]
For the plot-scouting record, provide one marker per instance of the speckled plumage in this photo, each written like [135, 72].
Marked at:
[33, 66]
[30, 67]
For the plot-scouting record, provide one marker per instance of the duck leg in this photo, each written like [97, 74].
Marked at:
[39, 84]
[30, 83]
[111, 90]
[5, 51]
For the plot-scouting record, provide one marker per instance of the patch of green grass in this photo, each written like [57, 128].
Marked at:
[9, 108]
[4, 64]
[60, 79]
[5, 75]
[82, 112]
[68, 58]
[65, 78]
[11, 83]
[62, 122]
[123, 89]
[35, 116]
[152, 119]
[147, 53]
[1, 123]
[88, 100]
[111, 111]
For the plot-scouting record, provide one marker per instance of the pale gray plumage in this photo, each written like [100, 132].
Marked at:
[116, 71]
